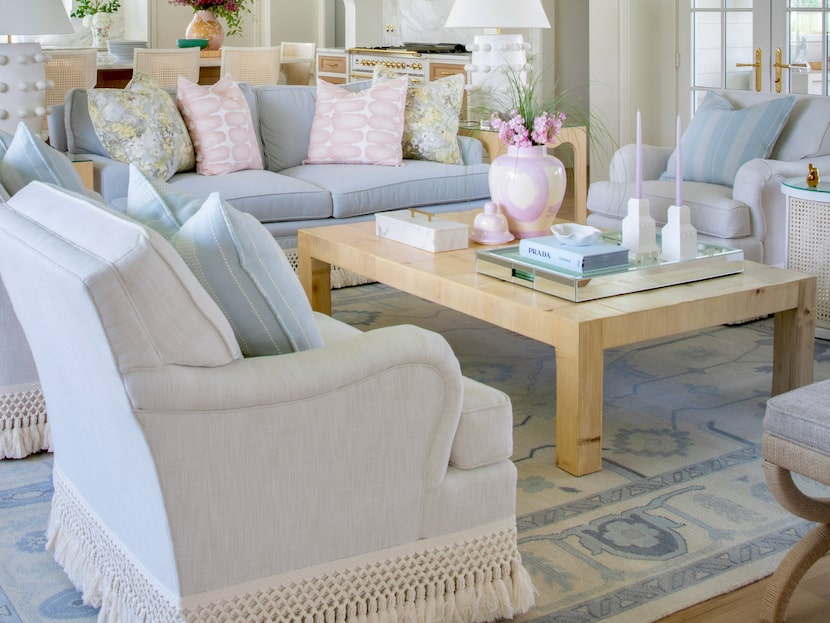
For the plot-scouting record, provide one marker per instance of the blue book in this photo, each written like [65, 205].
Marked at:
[595, 256]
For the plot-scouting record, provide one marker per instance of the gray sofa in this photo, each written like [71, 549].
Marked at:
[750, 213]
[288, 195]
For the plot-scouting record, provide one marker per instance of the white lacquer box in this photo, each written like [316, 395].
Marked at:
[421, 229]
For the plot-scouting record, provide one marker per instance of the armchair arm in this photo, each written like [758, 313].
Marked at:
[346, 440]
[624, 162]
[758, 185]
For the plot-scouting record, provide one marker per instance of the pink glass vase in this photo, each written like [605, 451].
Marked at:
[204, 25]
[528, 184]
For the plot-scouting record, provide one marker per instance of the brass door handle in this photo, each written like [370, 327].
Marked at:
[778, 67]
[757, 66]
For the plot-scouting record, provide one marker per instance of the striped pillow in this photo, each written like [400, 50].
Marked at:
[245, 271]
[720, 139]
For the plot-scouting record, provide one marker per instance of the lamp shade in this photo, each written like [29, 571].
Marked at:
[497, 14]
[34, 17]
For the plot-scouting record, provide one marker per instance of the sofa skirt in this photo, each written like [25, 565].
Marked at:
[23, 426]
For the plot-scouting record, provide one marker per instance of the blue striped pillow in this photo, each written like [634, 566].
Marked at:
[245, 271]
[720, 139]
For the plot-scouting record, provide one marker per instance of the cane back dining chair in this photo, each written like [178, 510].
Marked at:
[166, 65]
[68, 69]
[297, 61]
[255, 65]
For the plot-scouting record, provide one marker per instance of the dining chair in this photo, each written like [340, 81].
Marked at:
[255, 65]
[297, 61]
[165, 65]
[68, 69]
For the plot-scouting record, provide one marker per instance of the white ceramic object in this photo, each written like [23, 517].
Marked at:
[574, 234]
[490, 227]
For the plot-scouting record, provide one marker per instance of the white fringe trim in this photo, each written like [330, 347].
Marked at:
[23, 426]
[340, 278]
[475, 576]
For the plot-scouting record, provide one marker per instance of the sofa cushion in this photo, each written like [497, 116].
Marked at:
[141, 125]
[267, 195]
[357, 189]
[244, 270]
[720, 138]
[358, 128]
[220, 125]
[28, 159]
[713, 210]
[431, 118]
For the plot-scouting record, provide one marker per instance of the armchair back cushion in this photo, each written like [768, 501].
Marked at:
[806, 133]
[720, 138]
[165, 315]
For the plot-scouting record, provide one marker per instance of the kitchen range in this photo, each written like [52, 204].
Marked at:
[420, 61]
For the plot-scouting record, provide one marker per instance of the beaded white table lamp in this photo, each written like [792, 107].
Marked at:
[22, 74]
[494, 53]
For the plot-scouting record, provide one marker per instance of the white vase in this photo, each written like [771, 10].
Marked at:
[528, 184]
[100, 25]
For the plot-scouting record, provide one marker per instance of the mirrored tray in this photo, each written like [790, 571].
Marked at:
[506, 263]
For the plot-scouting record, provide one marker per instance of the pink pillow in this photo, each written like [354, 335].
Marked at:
[363, 127]
[220, 125]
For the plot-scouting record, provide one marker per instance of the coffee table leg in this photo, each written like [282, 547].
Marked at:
[579, 405]
[794, 342]
[315, 277]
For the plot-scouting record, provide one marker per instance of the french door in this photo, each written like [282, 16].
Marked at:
[774, 46]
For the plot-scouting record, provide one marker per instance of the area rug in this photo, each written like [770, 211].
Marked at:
[679, 513]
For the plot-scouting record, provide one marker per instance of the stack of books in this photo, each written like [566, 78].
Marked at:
[579, 259]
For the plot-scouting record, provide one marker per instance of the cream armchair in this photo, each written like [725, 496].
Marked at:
[362, 480]
[23, 426]
[747, 210]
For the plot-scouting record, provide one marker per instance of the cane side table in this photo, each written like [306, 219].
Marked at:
[808, 240]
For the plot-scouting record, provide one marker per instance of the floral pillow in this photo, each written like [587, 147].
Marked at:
[431, 118]
[363, 127]
[220, 125]
[140, 124]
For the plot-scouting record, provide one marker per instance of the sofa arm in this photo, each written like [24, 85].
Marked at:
[758, 185]
[623, 165]
[472, 149]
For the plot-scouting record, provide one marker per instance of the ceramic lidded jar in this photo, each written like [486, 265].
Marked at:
[528, 185]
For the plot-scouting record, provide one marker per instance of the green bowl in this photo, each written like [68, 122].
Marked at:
[192, 43]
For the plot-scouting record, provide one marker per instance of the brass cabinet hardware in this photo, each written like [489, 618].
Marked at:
[757, 66]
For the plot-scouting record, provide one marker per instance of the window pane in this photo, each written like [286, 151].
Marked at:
[739, 4]
[706, 4]
[708, 50]
[806, 4]
[807, 49]
[739, 50]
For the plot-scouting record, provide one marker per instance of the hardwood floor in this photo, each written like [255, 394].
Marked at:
[810, 602]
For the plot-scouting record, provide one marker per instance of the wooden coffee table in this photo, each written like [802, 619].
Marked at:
[579, 332]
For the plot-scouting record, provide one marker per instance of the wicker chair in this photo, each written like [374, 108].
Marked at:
[166, 65]
[255, 65]
[68, 69]
[297, 61]
[797, 439]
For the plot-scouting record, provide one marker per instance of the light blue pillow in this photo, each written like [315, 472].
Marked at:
[158, 204]
[721, 139]
[28, 159]
[245, 271]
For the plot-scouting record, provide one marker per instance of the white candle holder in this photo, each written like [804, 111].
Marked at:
[678, 237]
[639, 232]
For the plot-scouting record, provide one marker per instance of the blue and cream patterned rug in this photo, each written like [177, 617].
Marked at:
[679, 513]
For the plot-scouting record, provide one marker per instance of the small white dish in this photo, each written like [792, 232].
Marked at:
[574, 234]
